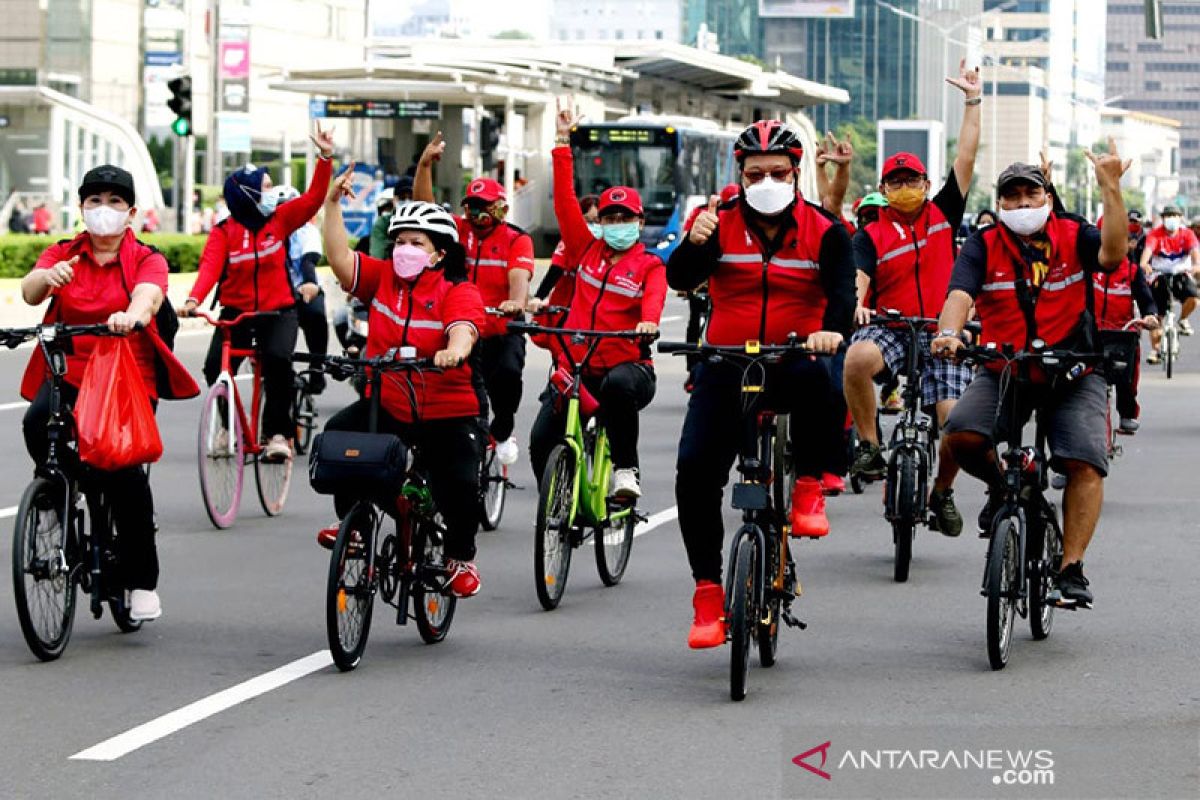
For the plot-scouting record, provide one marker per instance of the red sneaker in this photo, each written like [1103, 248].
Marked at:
[808, 509]
[832, 485]
[708, 625]
[327, 536]
[463, 578]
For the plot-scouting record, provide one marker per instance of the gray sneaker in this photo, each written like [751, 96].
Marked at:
[869, 463]
[945, 514]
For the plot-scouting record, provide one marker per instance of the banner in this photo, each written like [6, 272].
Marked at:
[814, 9]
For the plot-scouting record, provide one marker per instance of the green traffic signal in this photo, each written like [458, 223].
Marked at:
[181, 127]
[181, 104]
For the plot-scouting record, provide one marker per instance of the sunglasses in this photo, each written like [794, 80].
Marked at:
[778, 174]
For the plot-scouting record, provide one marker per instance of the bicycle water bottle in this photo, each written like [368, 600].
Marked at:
[562, 380]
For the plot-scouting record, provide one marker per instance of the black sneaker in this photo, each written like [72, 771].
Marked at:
[985, 517]
[1073, 587]
[869, 464]
[945, 514]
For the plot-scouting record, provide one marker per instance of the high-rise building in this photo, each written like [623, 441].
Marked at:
[734, 23]
[619, 20]
[1160, 76]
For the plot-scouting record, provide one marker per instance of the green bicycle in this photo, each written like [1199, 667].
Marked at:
[573, 499]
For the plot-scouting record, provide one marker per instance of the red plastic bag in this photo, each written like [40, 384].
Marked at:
[114, 418]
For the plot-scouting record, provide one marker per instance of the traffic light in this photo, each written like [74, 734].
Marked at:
[181, 104]
[489, 140]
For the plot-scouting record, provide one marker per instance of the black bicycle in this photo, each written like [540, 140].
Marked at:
[401, 566]
[304, 409]
[64, 536]
[762, 582]
[1026, 539]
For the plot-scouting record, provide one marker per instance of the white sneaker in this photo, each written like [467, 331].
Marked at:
[508, 451]
[1185, 328]
[221, 443]
[625, 483]
[277, 449]
[144, 605]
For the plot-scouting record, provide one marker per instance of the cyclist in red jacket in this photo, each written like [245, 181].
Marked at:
[420, 298]
[106, 275]
[246, 259]
[619, 286]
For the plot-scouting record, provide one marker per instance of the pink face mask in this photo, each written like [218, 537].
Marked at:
[409, 261]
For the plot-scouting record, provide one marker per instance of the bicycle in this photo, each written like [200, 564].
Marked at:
[51, 559]
[1026, 539]
[403, 566]
[228, 438]
[762, 581]
[573, 501]
[494, 482]
[304, 410]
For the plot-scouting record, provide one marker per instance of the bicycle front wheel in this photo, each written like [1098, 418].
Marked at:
[273, 479]
[614, 543]
[1000, 586]
[743, 617]
[43, 580]
[493, 491]
[350, 589]
[904, 517]
[434, 610]
[552, 536]
[1047, 553]
[221, 456]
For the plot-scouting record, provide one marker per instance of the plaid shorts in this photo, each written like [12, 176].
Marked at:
[941, 379]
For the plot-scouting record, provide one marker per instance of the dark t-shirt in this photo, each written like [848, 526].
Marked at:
[970, 269]
[949, 200]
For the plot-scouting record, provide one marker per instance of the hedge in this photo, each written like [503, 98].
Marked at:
[19, 252]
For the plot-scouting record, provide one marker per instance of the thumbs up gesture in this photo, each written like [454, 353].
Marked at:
[706, 222]
[61, 273]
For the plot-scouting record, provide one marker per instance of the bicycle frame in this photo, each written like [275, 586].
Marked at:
[248, 424]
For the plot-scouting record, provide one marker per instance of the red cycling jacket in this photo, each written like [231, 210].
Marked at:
[419, 315]
[913, 261]
[1114, 295]
[96, 292]
[610, 295]
[249, 268]
[490, 259]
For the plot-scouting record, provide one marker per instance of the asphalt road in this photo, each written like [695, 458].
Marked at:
[602, 698]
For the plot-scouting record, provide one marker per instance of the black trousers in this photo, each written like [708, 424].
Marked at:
[501, 364]
[450, 449]
[127, 490]
[623, 391]
[276, 337]
[716, 429]
[698, 306]
[315, 327]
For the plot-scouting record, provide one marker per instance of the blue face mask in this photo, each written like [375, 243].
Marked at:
[266, 206]
[621, 236]
[597, 229]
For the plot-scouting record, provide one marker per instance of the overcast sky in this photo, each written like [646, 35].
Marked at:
[488, 16]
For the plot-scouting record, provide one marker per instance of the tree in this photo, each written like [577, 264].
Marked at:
[513, 33]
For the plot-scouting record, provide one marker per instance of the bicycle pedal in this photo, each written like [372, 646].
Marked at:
[792, 622]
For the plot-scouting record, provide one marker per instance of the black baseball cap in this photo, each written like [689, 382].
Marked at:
[108, 178]
[1020, 173]
[1172, 211]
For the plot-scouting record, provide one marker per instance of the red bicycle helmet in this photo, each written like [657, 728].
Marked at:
[768, 136]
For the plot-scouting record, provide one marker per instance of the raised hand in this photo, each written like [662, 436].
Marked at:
[434, 150]
[1047, 166]
[567, 116]
[323, 139]
[341, 186]
[968, 80]
[826, 147]
[705, 222]
[1109, 166]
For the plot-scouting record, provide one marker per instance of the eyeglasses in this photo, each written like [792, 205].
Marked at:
[779, 174]
[912, 182]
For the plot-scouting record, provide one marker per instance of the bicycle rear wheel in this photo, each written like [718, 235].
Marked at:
[552, 536]
[350, 589]
[1170, 349]
[614, 542]
[434, 610]
[304, 411]
[904, 517]
[1047, 551]
[43, 581]
[1000, 586]
[221, 456]
[768, 632]
[783, 468]
[493, 491]
[743, 617]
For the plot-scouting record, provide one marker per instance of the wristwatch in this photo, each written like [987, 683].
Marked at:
[974, 101]
[949, 332]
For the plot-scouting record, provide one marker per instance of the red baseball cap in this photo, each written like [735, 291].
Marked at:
[485, 189]
[900, 161]
[621, 197]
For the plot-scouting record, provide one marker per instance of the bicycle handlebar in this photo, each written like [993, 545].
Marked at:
[229, 323]
[982, 355]
[13, 337]
[749, 349]
[530, 327]
[550, 310]
[346, 366]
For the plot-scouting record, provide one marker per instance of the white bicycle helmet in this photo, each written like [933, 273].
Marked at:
[286, 192]
[385, 196]
[427, 217]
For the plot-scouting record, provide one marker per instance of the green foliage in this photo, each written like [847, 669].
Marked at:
[513, 33]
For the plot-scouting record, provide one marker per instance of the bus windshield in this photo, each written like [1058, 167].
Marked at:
[649, 168]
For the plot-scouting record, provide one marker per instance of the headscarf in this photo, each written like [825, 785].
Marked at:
[243, 190]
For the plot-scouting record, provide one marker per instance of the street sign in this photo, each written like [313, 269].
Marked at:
[375, 109]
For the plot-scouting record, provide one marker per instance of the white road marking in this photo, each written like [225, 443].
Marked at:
[5, 513]
[11, 406]
[155, 729]
[147, 733]
[665, 320]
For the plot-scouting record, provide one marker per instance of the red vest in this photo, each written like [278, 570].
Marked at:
[488, 260]
[417, 317]
[913, 262]
[765, 300]
[1061, 300]
[616, 297]
[1114, 296]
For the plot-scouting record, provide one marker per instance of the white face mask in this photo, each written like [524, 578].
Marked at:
[105, 220]
[769, 196]
[1025, 221]
[1172, 224]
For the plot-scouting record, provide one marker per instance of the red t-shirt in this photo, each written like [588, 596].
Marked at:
[96, 292]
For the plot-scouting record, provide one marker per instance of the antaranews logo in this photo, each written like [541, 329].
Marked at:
[1008, 767]
[823, 749]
